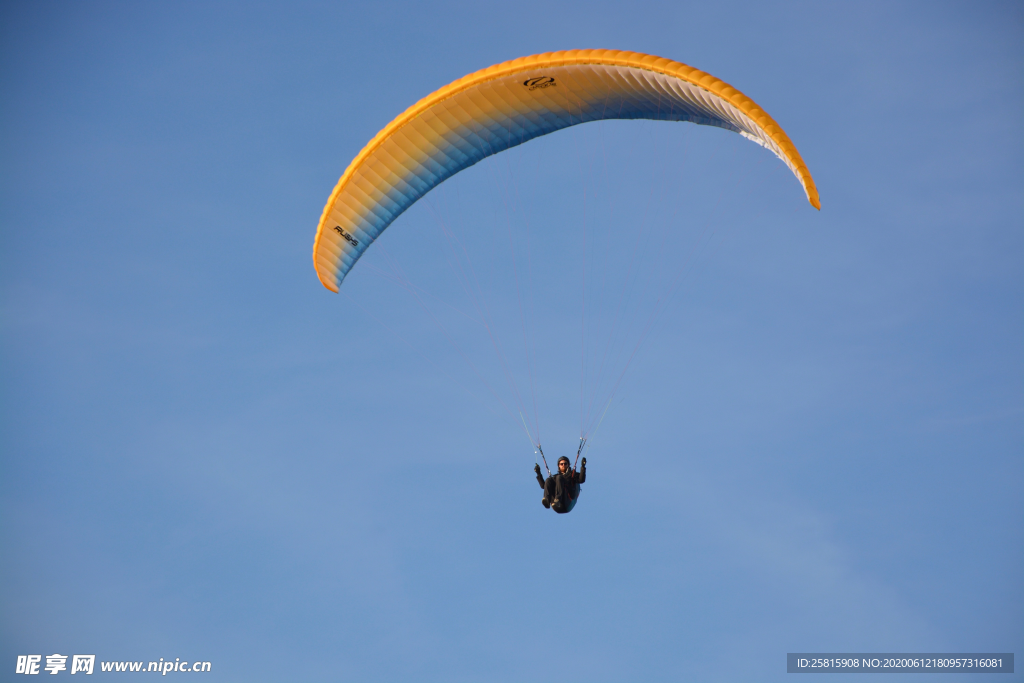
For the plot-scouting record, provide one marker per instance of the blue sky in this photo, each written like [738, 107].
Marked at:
[207, 455]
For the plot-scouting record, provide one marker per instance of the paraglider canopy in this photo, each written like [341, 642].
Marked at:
[508, 104]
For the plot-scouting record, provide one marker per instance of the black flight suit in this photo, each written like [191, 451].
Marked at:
[564, 487]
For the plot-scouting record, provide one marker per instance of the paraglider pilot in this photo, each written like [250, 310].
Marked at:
[561, 490]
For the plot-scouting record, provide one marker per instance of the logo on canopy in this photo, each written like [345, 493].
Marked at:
[348, 238]
[539, 82]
